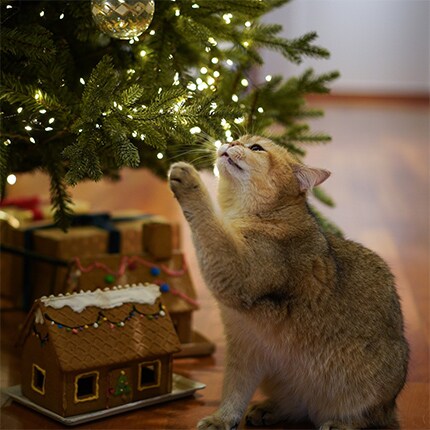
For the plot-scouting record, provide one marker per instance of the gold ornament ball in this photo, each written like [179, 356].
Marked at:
[122, 19]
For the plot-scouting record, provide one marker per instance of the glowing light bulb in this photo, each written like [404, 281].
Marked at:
[214, 60]
[28, 128]
[216, 74]
[268, 78]
[195, 6]
[19, 110]
[203, 70]
[244, 82]
[32, 140]
[247, 24]
[211, 80]
[42, 111]
[11, 179]
[192, 86]
[235, 98]
[82, 81]
[227, 17]
[177, 12]
[160, 155]
[42, 13]
[152, 32]
[48, 129]
[260, 109]
[142, 53]
[212, 41]
[217, 144]
[229, 62]
[51, 120]
[246, 44]
[62, 16]
[195, 130]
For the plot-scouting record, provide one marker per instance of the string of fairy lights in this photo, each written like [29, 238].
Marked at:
[207, 78]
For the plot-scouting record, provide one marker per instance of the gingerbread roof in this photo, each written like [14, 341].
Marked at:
[101, 328]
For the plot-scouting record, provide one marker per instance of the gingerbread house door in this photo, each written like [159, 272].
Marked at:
[120, 389]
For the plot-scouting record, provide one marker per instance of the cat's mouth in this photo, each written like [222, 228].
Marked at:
[230, 161]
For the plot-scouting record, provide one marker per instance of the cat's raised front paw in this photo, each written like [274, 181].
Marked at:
[183, 178]
[214, 422]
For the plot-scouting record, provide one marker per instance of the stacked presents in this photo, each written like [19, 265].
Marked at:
[99, 252]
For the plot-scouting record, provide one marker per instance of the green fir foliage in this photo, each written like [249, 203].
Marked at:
[80, 105]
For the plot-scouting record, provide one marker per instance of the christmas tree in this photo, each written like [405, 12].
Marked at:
[122, 388]
[90, 87]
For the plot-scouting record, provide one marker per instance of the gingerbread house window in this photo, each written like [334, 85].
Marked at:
[38, 379]
[87, 387]
[149, 374]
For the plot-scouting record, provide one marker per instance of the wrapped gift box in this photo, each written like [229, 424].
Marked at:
[25, 278]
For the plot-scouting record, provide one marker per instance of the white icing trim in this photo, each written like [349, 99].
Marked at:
[142, 294]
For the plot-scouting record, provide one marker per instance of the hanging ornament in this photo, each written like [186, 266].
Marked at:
[122, 19]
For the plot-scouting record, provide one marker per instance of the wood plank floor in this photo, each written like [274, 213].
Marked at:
[379, 158]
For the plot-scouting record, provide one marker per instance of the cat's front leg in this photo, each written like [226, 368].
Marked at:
[241, 378]
[239, 387]
[218, 249]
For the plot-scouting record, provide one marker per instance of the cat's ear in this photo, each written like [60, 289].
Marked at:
[309, 177]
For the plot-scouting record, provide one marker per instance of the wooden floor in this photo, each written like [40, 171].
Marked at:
[379, 158]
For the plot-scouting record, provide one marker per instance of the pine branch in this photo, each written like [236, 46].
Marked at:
[60, 198]
[325, 224]
[34, 43]
[29, 96]
[4, 167]
[323, 197]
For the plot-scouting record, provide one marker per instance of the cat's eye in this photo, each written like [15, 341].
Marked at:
[256, 147]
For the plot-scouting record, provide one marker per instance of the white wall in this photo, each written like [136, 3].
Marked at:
[379, 46]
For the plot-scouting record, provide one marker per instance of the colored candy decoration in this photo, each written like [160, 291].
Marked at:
[109, 279]
[164, 288]
[155, 271]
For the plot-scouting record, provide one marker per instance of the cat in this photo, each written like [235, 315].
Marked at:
[311, 318]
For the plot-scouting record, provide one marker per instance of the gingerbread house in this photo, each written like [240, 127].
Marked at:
[93, 350]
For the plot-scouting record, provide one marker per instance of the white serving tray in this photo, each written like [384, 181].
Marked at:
[181, 387]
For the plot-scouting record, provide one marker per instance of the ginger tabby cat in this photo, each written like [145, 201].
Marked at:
[312, 319]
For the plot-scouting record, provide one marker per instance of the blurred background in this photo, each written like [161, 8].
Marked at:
[380, 47]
